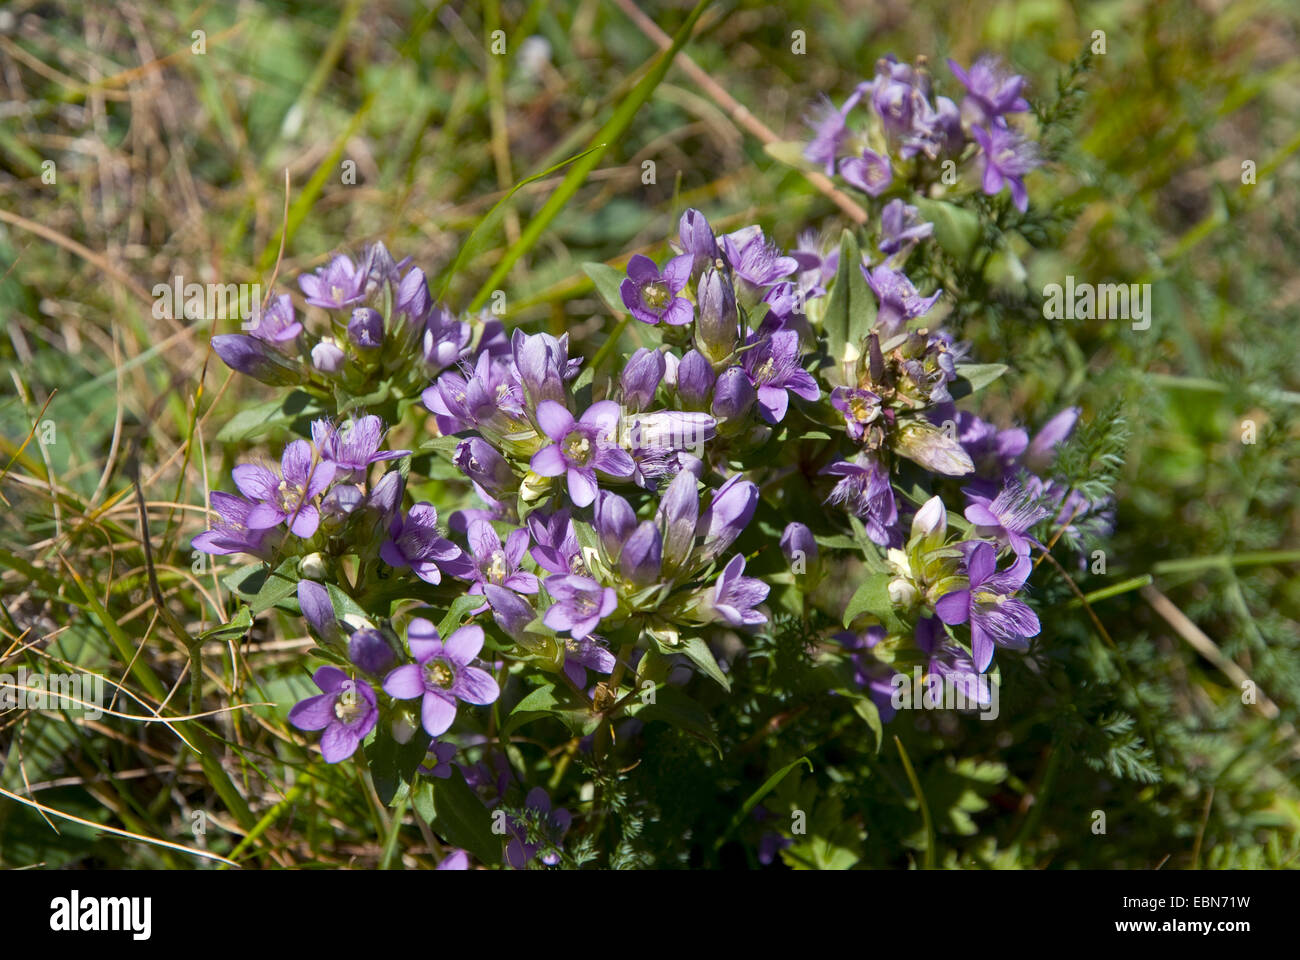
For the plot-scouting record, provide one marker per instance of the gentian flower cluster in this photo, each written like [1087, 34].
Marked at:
[601, 532]
[909, 134]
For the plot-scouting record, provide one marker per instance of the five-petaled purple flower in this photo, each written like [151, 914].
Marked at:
[652, 296]
[865, 491]
[496, 563]
[871, 173]
[552, 825]
[338, 284]
[287, 497]
[353, 447]
[991, 92]
[580, 447]
[441, 674]
[580, 604]
[734, 596]
[230, 531]
[346, 711]
[1007, 517]
[996, 617]
[414, 541]
[1007, 158]
[774, 368]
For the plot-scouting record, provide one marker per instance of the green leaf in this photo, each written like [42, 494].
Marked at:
[955, 228]
[295, 412]
[280, 583]
[975, 376]
[768, 786]
[697, 651]
[235, 628]
[675, 708]
[460, 607]
[393, 764]
[851, 308]
[872, 597]
[463, 820]
[422, 801]
[865, 708]
[607, 280]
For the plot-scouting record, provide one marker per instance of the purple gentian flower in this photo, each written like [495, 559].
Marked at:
[1051, 435]
[728, 514]
[257, 359]
[498, 564]
[900, 226]
[412, 295]
[996, 617]
[798, 545]
[1007, 158]
[866, 492]
[861, 408]
[456, 860]
[370, 652]
[318, 609]
[580, 447]
[873, 675]
[641, 377]
[437, 762]
[899, 301]
[481, 462]
[757, 262]
[442, 674]
[717, 326]
[652, 296]
[871, 173]
[555, 543]
[829, 130]
[894, 95]
[327, 356]
[734, 596]
[774, 368]
[733, 395]
[1008, 517]
[446, 340]
[583, 655]
[696, 238]
[413, 541]
[580, 604]
[542, 365]
[695, 379]
[991, 91]
[487, 395]
[949, 664]
[346, 711]
[286, 497]
[338, 284]
[230, 532]
[366, 329]
[553, 825]
[277, 324]
[354, 447]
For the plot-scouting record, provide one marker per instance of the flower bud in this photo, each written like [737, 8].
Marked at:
[640, 379]
[733, 395]
[716, 329]
[366, 329]
[327, 356]
[695, 379]
[256, 359]
[371, 652]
